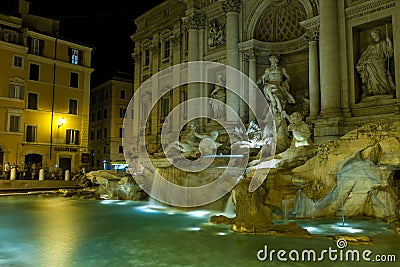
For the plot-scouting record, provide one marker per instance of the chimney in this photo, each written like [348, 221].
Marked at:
[23, 7]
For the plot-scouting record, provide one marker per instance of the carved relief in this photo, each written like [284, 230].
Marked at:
[216, 34]
[195, 21]
[231, 6]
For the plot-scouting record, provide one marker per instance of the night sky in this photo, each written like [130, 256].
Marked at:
[106, 25]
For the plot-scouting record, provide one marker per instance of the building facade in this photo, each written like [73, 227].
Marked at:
[325, 47]
[44, 93]
[108, 105]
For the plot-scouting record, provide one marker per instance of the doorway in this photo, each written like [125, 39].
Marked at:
[65, 164]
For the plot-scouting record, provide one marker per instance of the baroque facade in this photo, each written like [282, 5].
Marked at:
[321, 44]
[44, 93]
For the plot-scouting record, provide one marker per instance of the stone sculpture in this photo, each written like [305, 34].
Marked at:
[373, 67]
[216, 35]
[276, 86]
[218, 95]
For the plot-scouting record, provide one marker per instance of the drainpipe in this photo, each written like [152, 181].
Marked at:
[52, 101]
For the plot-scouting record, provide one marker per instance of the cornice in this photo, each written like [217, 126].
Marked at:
[367, 8]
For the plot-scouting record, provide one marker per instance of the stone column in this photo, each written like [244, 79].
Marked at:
[232, 8]
[329, 58]
[194, 23]
[313, 74]
[253, 77]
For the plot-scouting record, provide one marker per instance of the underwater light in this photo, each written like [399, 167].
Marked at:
[148, 209]
[312, 229]
[221, 233]
[106, 201]
[193, 229]
[198, 213]
[122, 203]
[347, 229]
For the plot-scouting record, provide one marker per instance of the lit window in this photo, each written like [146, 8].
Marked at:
[32, 101]
[16, 91]
[30, 133]
[75, 56]
[34, 72]
[18, 62]
[73, 106]
[73, 81]
[72, 137]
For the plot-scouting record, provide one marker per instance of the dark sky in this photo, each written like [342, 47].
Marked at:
[107, 25]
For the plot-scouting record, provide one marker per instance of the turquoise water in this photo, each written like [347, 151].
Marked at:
[46, 230]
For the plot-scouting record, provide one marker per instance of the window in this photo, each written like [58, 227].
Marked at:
[121, 149]
[122, 94]
[18, 62]
[72, 137]
[75, 56]
[166, 12]
[16, 91]
[32, 101]
[34, 72]
[167, 49]
[73, 81]
[122, 112]
[121, 132]
[164, 107]
[14, 123]
[105, 132]
[36, 46]
[105, 113]
[30, 133]
[93, 116]
[98, 115]
[73, 106]
[98, 134]
[92, 135]
[146, 57]
[106, 94]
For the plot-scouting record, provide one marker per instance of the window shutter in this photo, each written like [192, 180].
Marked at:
[80, 57]
[21, 92]
[41, 47]
[77, 135]
[11, 91]
[68, 135]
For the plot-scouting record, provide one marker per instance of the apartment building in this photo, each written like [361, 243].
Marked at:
[44, 93]
[108, 103]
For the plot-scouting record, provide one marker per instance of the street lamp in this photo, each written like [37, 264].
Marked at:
[61, 122]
